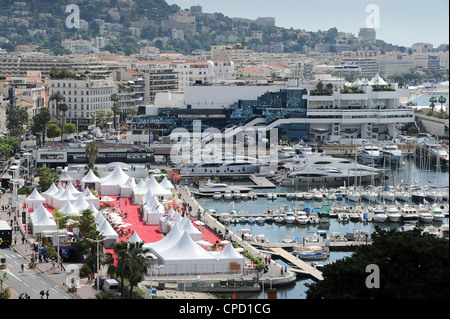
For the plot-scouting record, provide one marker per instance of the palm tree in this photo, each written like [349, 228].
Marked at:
[433, 100]
[442, 100]
[131, 263]
[91, 151]
[115, 108]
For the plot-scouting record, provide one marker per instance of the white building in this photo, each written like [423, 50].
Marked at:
[82, 97]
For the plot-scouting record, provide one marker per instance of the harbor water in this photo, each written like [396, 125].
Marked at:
[410, 172]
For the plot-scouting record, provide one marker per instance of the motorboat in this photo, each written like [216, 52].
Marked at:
[370, 154]
[287, 239]
[393, 214]
[433, 151]
[278, 219]
[343, 217]
[252, 195]
[318, 236]
[271, 196]
[268, 219]
[311, 252]
[403, 194]
[391, 153]
[437, 211]
[409, 213]
[336, 237]
[378, 214]
[237, 194]
[228, 195]
[210, 187]
[353, 194]
[370, 195]
[299, 195]
[245, 196]
[313, 218]
[354, 217]
[289, 217]
[301, 217]
[307, 195]
[225, 218]
[425, 215]
[260, 238]
[317, 195]
[217, 195]
[245, 234]
[251, 220]
[434, 194]
[260, 220]
[418, 195]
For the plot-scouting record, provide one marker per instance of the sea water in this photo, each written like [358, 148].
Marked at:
[410, 172]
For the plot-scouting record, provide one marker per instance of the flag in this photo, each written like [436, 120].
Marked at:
[415, 181]
[234, 295]
[430, 181]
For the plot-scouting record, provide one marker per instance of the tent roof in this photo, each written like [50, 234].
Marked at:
[70, 188]
[65, 177]
[135, 238]
[154, 188]
[81, 203]
[167, 242]
[229, 252]
[186, 249]
[90, 177]
[35, 197]
[377, 80]
[116, 177]
[52, 190]
[166, 184]
[189, 227]
[69, 209]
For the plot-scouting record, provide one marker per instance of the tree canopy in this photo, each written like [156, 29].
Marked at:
[412, 265]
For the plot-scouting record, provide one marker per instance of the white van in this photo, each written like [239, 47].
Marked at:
[111, 285]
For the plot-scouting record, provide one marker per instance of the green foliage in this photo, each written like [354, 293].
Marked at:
[411, 265]
[16, 118]
[46, 178]
[53, 131]
[25, 190]
[70, 128]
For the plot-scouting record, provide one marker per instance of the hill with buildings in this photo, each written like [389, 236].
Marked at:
[126, 26]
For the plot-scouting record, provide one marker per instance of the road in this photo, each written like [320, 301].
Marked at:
[29, 281]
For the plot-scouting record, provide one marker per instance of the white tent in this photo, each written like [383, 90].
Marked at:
[191, 230]
[377, 80]
[50, 192]
[167, 184]
[59, 201]
[71, 189]
[228, 256]
[91, 198]
[65, 177]
[186, 257]
[110, 184]
[41, 221]
[154, 188]
[90, 180]
[126, 190]
[34, 199]
[153, 210]
[81, 203]
[135, 238]
[111, 237]
[69, 209]
[93, 209]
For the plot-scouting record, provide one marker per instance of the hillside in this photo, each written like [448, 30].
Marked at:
[129, 25]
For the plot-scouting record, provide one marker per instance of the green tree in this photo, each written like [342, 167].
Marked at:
[433, 100]
[412, 265]
[442, 100]
[16, 118]
[86, 222]
[91, 151]
[53, 130]
[115, 108]
[39, 124]
[46, 178]
[59, 98]
[70, 128]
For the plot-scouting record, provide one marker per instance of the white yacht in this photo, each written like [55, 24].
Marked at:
[438, 213]
[434, 194]
[217, 195]
[378, 214]
[289, 217]
[409, 213]
[424, 212]
[231, 168]
[393, 214]
[434, 151]
[222, 187]
[237, 194]
[301, 217]
[388, 194]
[370, 195]
[391, 153]
[343, 217]
[353, 194]
[370, 154]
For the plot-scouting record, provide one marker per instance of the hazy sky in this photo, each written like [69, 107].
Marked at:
[400, 22]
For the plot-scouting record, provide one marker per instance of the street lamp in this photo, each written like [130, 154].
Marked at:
[96, 241]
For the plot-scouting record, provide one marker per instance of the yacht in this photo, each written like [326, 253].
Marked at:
[343, 217]
[228, 195]
[418, 195]
[325, 175]
[289, 217]
[301, 217]
[409, 213]
[388, 194]
[378, 214]
[403, 194]
[424, 212]
[370, 154]
[217, 195]
[438, 214]
[391, 153]
[245, 234]
[434, 194]
[237, 194]
[222, 187]
[231, 168]
[353, 194]
[260, 238]
[393, 214]
[370, 195]
[434, 151]
[278, 219]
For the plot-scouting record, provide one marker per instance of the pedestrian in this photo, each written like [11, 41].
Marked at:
[15, 241]
[53, 263]
[89, 277]
[47, 294]
[42, 293]
[21, 266]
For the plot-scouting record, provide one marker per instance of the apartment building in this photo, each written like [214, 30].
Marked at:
[82, 96]
[391, 64]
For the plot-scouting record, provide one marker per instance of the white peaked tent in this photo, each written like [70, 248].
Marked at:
[93, 209]
[166, 242]
[135, 238]
[51, 197]
[90, 180]
[50, 192]
[103, 226]
[69, 209]
[377, 80]
[167, 184]
[41, 221]
[91, 198]
[126, 190]
[153, 210]
[81, 203]
[191, 230]
[139, 191]
[186, 257]
[71, 189]
[154, 188]
[230, 255]
[58, 202]
[34, 199]
[65, 177]
[111, 184]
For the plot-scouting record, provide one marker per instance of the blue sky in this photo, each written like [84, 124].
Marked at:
[401, 22]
